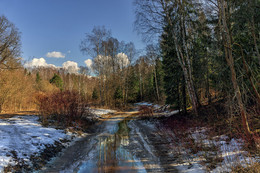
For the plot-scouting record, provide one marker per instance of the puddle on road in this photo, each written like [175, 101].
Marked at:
[111, 154]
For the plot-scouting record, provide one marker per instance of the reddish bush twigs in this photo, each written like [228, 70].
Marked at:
[146, 110]
[64, 106]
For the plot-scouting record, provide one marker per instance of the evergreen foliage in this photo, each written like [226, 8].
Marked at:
[172, 70]
[118, 94]
[133, 85]
[57, 81]
[38, 78]
[95, 94]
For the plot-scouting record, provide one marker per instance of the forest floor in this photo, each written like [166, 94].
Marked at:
[127, 142]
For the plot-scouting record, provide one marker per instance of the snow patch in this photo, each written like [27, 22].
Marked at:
[230, 151]
[25, 136]
[155, 106]
[143, 104]
[99, 112]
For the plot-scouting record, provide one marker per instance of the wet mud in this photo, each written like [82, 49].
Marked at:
[121, 143]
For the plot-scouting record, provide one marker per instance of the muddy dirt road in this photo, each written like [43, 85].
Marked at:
[121, 143]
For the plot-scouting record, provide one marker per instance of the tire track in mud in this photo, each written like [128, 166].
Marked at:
[75, 155]
[151, 147]
[148, 150]
[72, 156]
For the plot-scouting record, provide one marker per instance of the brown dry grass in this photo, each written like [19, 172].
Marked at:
[254, 168]
[12, 114]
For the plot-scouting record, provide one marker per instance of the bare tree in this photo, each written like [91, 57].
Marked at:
[111, 47]
[92, 45]
[130, 50]
[150, 18]
[10, 43]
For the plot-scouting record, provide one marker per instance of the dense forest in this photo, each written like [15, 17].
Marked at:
[197, 53]
[209, 51]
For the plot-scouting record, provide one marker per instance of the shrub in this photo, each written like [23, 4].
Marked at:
[66, 107]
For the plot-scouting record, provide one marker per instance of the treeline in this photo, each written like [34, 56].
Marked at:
[135, 82]
[21, 87]
[119, 76]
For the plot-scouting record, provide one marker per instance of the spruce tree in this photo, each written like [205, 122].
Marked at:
[57, 81]
[118, 94]
[173, 74]
[95, 94]
[38, 78]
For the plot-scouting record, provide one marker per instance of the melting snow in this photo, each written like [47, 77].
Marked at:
[147, 104]
[231, 152]
[25, 136]
[99, 112]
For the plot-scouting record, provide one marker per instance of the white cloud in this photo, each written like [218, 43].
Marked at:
[38, 62]
[70, 67]
[88, 63]
[122, 60]
[55, 54]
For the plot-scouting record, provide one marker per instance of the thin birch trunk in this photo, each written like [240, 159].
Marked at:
[182, 61]
[230, 61]
[156, 85]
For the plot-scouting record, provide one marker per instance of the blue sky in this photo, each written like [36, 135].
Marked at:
[60, 25]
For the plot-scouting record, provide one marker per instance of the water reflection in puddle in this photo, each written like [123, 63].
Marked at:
[110, 154]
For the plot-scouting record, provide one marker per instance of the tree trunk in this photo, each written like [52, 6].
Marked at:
[193, 91]
[207, 89]
[208, 95]
[140, 84]
[100, 90]
[186, 66]
[156, 85]
[190, 86]
[125, 90]
[230, 62]
[179, 97]
[184, 95]
[249, 75]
